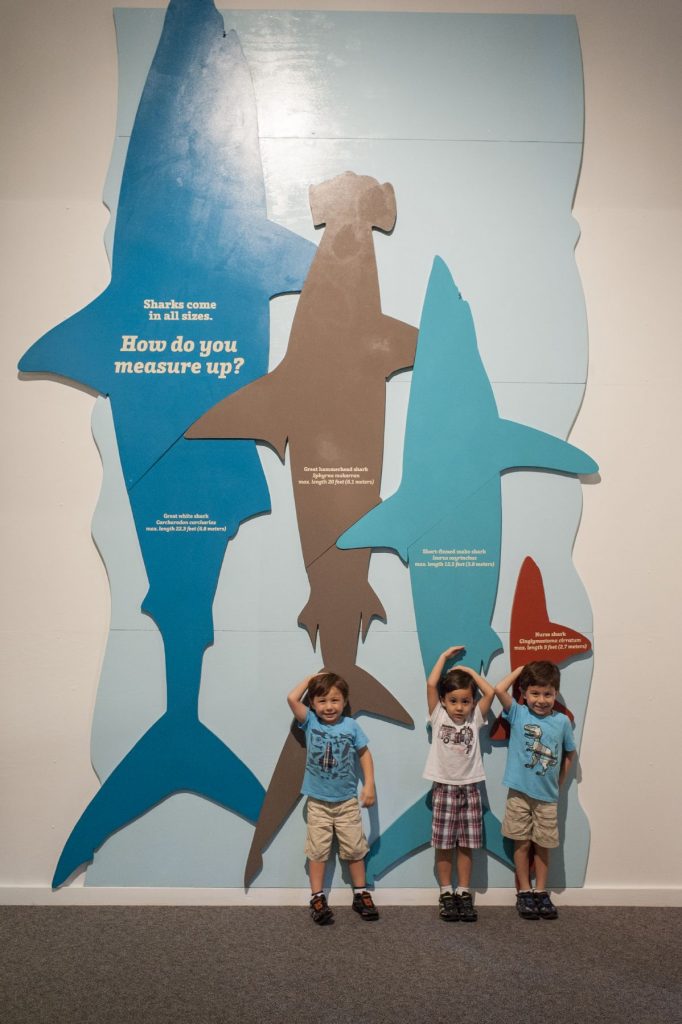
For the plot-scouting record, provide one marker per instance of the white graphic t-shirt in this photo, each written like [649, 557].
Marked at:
[455, 753]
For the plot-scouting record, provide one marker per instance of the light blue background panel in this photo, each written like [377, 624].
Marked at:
[482, 141]
[391, 76]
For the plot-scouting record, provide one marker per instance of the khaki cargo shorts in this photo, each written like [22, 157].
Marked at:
[325, 819]
[527, 818]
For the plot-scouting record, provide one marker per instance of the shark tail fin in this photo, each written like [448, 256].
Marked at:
[173, 756]
[257, 412]
[369, 696]
[408, 834]
[412, 832]
[281, 797]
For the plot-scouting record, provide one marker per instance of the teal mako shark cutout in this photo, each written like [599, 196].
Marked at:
[195, 262]
[446, 517]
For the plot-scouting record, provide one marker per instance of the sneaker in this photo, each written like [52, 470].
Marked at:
[465, 907]
[447, 907]
[526, 906]
[320, 911]
[363, 904]
[544, 906]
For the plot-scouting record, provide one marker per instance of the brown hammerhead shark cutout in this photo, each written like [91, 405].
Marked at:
[327, 400]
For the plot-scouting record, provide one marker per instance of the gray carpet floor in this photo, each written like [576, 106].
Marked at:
[143, 965]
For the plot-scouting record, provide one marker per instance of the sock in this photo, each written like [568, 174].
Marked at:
[358, 890]
[314, 894]
[444, 889]
[460, 890]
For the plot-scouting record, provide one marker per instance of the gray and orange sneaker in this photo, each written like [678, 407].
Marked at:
[363, 904]
[320, 911]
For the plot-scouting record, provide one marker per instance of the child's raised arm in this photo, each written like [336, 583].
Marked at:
[486, 690]
[294, 699]
[503, 687]
[435, 674]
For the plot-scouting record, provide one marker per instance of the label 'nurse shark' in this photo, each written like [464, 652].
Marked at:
[445, 519]
[192, 234]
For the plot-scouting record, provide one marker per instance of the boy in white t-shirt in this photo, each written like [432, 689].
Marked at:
[455, 767]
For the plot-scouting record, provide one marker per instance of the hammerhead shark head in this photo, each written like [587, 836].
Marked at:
[192, 245]
[327, 400]
[445, 519]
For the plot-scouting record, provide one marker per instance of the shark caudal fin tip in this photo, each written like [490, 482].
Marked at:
[254, 866]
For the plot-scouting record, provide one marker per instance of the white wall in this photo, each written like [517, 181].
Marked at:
[59, 82]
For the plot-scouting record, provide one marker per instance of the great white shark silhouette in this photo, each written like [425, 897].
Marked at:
[191, 227]
[445, 519]
[326, 399]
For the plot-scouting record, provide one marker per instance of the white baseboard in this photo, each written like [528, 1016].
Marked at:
[81, 896]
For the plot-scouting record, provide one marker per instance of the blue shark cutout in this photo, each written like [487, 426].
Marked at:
[445, 518]
[191, 227]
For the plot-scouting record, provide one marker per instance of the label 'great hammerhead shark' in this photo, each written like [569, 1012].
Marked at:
[445, 519]
[195, 262]
[327, 399]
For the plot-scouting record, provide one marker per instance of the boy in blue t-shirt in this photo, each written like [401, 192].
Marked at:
[541, 751]
[335, 747]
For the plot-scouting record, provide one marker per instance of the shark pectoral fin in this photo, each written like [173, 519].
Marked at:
[372, 608]
[173, 756]
[490, 644]
[521, 446]
[402, 339]
[409, 833]
[382, 527]
[69, 350]
[368, 695]
[256, 412]
[281, 797]
[309, 619]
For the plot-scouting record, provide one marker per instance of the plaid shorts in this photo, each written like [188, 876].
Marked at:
[457, 816]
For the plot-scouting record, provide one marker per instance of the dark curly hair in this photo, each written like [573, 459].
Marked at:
[539, 673]
[321, 684]
[456, 679]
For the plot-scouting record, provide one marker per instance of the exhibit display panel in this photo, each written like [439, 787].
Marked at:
[412, 177]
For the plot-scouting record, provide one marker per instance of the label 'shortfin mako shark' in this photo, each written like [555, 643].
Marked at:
[327, 400]
[195, 262]
[445, 519]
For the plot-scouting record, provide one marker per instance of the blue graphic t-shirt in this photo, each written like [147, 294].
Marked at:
[536, 747]
[331, 767]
